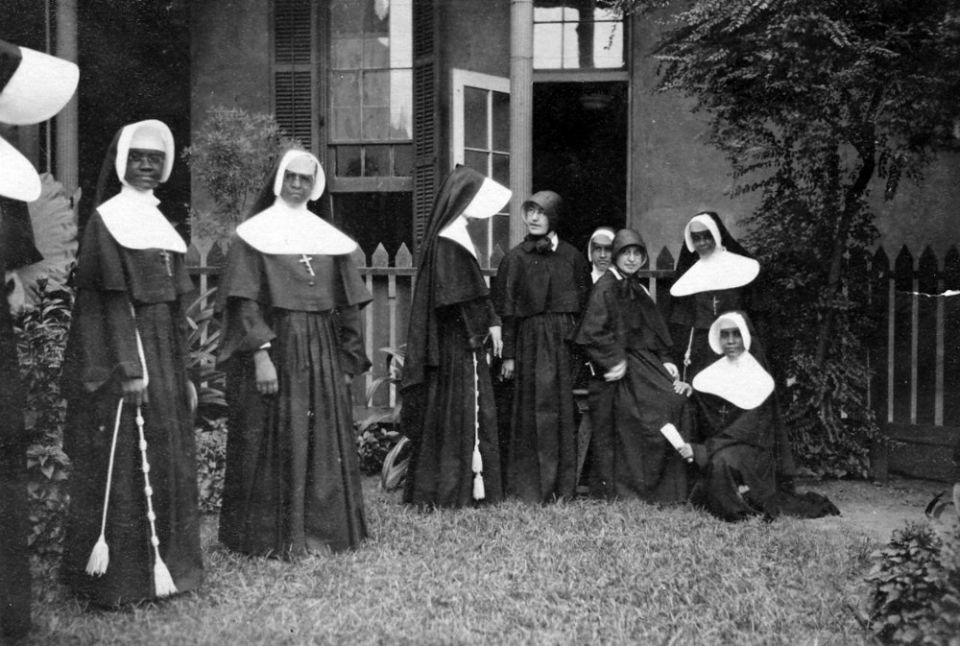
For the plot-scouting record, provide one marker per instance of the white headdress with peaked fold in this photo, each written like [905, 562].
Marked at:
[489, 200]
[742, 381]
[37, 87]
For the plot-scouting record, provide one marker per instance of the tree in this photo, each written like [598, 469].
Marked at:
[813, 102]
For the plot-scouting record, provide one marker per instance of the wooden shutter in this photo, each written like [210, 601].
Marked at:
[425, 118]
[293, 28]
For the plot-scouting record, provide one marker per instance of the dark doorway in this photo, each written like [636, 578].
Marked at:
[580, 151]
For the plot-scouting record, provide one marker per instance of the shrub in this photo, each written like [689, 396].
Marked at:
[915, 586]
[231, 154]
[378, 432]
[211, 463]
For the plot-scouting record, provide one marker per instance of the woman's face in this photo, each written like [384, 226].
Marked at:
[536, 220]
[298, 181]
[600, 255]
[630, 260]
[144, 168]
[731, 342]
[703, 242]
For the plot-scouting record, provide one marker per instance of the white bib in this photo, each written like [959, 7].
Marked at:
[281, 230]
[742, 381]
[135, 222]
[720, 270]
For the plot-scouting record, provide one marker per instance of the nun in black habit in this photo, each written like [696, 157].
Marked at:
[128, 342]
[627, 341]
[713, 273]
[290, 299]
[33, 87]
[540, 290]
[448, 409]
[738, 441]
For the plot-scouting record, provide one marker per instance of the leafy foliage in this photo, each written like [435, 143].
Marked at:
[915, 587]
[55, 236]
[231, 154]
[378, 433]
[811, 100]
[202, 341]
[41, 339]
[211, 463]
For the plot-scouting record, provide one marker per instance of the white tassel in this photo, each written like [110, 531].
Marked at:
[479, 493]
[100, 554]
[162, 581]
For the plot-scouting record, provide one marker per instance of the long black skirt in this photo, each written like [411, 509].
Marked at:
[292, 481]
[171, 452]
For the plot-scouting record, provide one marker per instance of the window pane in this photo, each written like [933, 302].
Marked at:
[346, 53]
[346, 124]
[501, 121]
[376, 123]
[601, 13]
[345, 89]
[376, 161]
[401, 104]
[346, 16]
[479, 231]
[403, 161]
[547, 41]
[546, 14]
[475, 117]
[501, 233]
[376, 51]
[375, 218]
[475, 160]
[348, 161]
[376, 89]
[401, 33]
[501, 169]
[571, 51]
[608, 45]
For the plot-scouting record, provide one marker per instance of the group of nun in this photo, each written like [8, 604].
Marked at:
[291, 343]
[669, 422]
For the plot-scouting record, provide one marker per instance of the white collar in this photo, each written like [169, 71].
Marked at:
[285, 230]
[742, 381]
[457, 231]
[133, 219]
[720, 270]
[554, 240]
[595, 274]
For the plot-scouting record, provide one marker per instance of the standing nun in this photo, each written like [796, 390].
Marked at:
[448, 410]
[541, 287]
[290, 299]
[713, 271]
[33, 88]
[134, 525]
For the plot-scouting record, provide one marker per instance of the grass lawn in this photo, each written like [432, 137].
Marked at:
[579, 572]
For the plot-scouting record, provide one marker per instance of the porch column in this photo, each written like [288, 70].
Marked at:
[521, 111]
[67, 120]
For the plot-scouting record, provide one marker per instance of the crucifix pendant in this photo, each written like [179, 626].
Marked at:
[305, 261]
[724, 411]
[166, 261]
[716, 302]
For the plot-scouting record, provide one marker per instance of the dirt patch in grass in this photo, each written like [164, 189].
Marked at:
[876, 509]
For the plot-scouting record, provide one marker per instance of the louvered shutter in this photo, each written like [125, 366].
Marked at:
[293, 69]
[425, 119]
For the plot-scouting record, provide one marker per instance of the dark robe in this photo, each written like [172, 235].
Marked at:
[121, 292]
[16, 250]
[454, 404]
[540, 294]
[629, 457]
[292, 481]
[445, 373]
[691, 318]
[736, 452]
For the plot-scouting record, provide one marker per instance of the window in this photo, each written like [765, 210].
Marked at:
[576, 34]
[481, 140]
[371, 89]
